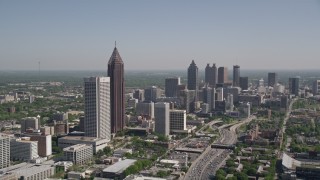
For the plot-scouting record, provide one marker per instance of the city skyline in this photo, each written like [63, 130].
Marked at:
[76, 35]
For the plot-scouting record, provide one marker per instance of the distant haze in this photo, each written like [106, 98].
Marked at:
[167, 35]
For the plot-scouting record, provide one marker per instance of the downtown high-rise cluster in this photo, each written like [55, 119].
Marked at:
[104, 100]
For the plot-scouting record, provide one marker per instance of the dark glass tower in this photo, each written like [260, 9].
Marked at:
[116, 74]
[193, 81]
[215, 75]
[272, 79]
[236, 76]
[211, 75]
[294, 86]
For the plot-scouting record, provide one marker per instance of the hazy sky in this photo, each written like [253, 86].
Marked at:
[163, 34]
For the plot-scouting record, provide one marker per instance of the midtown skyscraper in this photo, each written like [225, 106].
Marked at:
[211, 75]
[193, 81]
[171, 86]
[272, 79]
[97, 107]
[236, 75]
[222, 75]
[116, 74]
[294, 85]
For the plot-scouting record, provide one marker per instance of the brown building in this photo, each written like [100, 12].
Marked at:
[222, 75]
[61, 128]
[44, 144]
[116, 74]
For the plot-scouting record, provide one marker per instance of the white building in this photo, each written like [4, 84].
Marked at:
[44, 143]
[4, 151]
[78, 154]
[162, 118]
[97, 143]
[97, 120]
[23, 149]
[115, 171]
[219, 92]
[28, 171]
[178, 121]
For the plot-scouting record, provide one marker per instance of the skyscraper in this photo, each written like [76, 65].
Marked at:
[294, 86]
[272, 79]
[152, 93]
[171, 86]
[116, 74]
[222, 75]
[316, 87]
[208, 74]
[161, 114]
[97, 107]
[209, 97]
[244, 83]
[211, 75]
[236, 75]
[4, 151]
[215, 76]
[193, 81]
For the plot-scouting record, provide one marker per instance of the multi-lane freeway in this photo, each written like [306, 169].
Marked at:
[211, 160]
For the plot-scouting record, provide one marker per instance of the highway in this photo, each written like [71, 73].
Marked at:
[211, 160]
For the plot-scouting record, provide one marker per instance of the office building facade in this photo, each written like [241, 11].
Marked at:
[4, 151]
[161, 113]
[171, 86]
[23, 149]
[152, 93]
[211, 75]
[236, 75]
[178, 120]
[294, 86]
[78, 154]
[29, 123]
[117, 101]
[244, 83]
[316, 87]
[97, 107]
[145, 109]
[222, 75]
[193, 79]
[272, 79]
[209, 97]
[139, 94]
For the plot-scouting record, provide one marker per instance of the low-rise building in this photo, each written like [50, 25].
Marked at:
[78, 154]
[63, 165]
[97, 143]
[116, 170]
[76, 175]
[28, 171]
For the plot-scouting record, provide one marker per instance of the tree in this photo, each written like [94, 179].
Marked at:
[241, 176]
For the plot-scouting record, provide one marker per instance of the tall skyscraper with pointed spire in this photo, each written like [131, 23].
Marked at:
[193, 81]
[116, 74]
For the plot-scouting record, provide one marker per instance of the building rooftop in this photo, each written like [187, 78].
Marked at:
[120, 166]
[26, 169]
[76, 147]
[80, 138]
